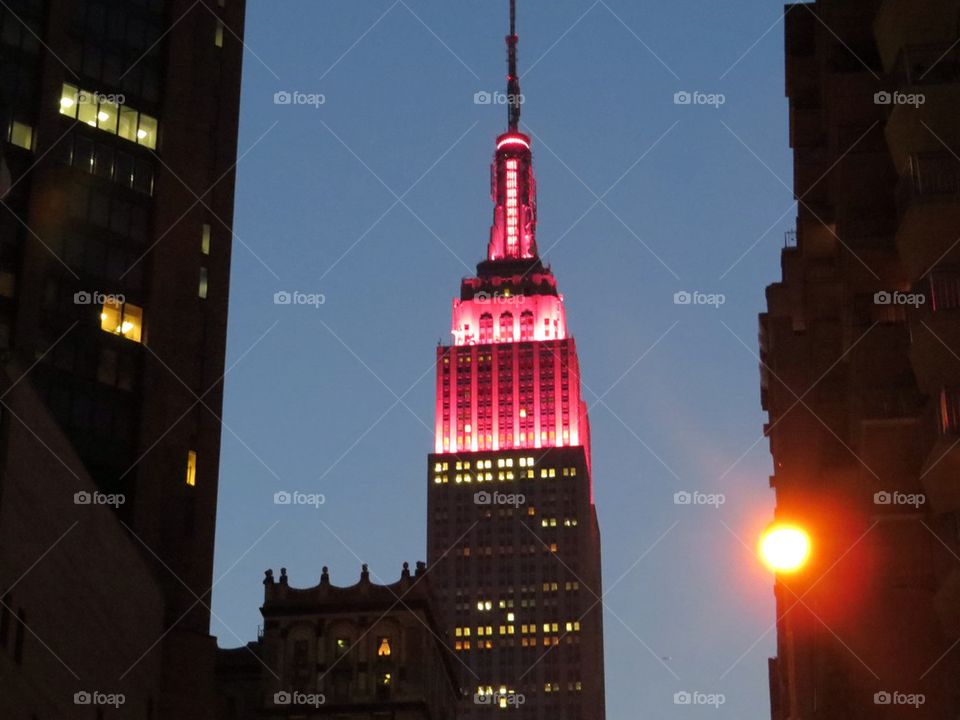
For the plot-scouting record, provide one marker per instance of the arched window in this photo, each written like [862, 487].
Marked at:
[526, 325]
[506, 327]
[486, 328]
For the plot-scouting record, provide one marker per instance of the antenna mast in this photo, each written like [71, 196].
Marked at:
[513, 78]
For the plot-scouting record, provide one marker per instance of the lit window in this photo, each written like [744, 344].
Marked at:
[108, 114]
[386, 679]
[218, 35]
[192, 468]
[205, 249]
[383, 647]
[204, 283]
[21, 135]
[343, 644]
[104, 113]
[147, 132]
[68, 100]
[123, 319]
[128, 124]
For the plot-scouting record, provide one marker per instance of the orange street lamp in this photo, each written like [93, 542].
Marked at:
[785, 548]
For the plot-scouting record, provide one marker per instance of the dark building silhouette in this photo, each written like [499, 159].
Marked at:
[513, 539]
[861, 372]
[120, 141]
[365, 651]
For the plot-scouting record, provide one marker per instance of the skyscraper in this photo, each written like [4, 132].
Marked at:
[860, 346]
[120, 122]
[513, 539]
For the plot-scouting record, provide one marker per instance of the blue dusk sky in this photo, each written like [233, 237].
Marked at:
[377, 198]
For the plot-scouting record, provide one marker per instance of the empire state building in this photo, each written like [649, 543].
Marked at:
[513, 538]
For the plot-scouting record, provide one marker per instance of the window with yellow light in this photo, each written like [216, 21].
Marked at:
[191, 468]
[122, 318]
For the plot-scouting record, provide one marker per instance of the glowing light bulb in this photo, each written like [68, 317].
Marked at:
[66, 102]
[102, 116]
[785, 548]
[126, 327]
[142, 134]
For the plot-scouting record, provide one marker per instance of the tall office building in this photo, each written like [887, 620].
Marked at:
[513, 539]
[860, 344]
[120, 121]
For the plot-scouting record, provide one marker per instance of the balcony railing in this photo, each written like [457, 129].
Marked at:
[928, 177]
[927, 65]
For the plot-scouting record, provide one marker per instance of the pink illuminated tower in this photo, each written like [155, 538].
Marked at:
[514, 544]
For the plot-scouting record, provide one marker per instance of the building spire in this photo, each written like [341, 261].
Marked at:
[513, 77]
[513, 235]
